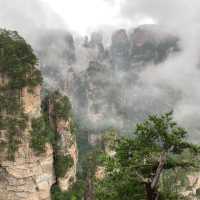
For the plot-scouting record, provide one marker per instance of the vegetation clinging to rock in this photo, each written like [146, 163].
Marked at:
[17, 70]
[18, 61]
[62, 164]
[62, 106]
[41, 134]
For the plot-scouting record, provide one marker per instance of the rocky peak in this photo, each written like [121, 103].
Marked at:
[96, 38]
[96, 45]
[152, 43]
[120, 48]
[66, 152]
[24, 175]
[56, 48]
[27, 161]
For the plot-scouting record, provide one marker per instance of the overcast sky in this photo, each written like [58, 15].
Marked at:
[86, 15]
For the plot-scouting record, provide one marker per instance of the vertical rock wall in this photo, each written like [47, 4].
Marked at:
[28, 176]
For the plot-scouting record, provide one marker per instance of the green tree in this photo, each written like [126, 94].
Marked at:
[17, 61]
[158, 147]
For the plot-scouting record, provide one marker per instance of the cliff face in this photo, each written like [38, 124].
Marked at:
[32, 101]
[28, 176]
[65, 148]
[27, 164]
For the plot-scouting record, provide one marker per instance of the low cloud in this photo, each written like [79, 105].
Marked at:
[157, 85]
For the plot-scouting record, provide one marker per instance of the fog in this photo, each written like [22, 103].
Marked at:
[29, 18]
[172, 84]
[181, 72]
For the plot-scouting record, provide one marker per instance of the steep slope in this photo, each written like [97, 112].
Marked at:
[58, 110]
[26, 154]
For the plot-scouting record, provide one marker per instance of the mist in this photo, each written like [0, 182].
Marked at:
[108, 90]
[29, 18]
[181, 72]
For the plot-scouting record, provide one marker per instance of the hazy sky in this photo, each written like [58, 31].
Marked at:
[86, 15]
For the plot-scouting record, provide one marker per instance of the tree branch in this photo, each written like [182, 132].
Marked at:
[159, 170]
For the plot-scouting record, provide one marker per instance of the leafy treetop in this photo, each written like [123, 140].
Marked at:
[18, 61]
[158, 146]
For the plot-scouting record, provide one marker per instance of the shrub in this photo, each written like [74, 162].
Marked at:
[62, 164]
[56, 193]
[62, 108]
[62, 105]
[40, 135]
[17, 61]
[75, 193]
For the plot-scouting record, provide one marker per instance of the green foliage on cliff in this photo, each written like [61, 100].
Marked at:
[13, 127]
[62, 106]
[75, 193]
[58, 107]
[12, 120]
[17, 70]
[158, 149]
[62, 164]
[57, 194]
[18, 61]
[41, 134]
[10, 101]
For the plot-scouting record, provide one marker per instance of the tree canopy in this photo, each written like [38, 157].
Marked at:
[18, 61]
[143, 163]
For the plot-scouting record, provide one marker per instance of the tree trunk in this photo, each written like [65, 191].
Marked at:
[152, 194]
[152, 186]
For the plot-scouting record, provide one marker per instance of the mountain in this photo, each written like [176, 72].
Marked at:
[30, 133]
[103, 81]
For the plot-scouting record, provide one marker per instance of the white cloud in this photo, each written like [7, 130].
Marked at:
[82, 16]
